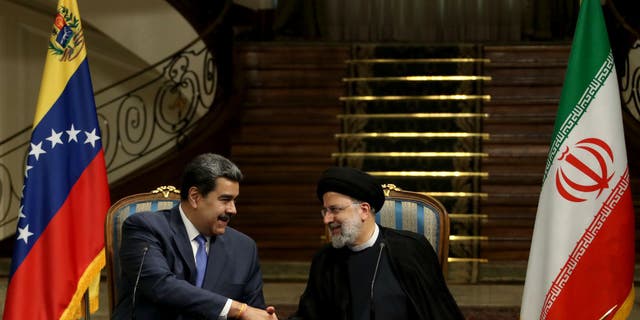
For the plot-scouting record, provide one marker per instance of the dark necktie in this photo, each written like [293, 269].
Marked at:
[201, 260]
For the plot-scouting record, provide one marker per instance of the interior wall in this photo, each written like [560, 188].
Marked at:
[448, 21]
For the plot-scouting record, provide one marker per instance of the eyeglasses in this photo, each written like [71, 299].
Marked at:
[334, 210]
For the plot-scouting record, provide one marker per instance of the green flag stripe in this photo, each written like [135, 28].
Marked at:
[576, 112]
[590, 59]
[589, 49]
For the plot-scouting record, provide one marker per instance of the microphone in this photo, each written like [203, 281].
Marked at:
[135, 287]
[372, 312]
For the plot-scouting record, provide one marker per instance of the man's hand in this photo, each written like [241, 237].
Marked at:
[252, 313]
[271, 310]
[244, 312]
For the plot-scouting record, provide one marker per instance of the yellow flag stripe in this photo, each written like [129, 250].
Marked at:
[57, 73]
[87, 281]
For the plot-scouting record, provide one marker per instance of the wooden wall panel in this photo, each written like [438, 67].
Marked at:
[290, 102]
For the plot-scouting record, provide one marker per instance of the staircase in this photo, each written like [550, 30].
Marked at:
[413, 117]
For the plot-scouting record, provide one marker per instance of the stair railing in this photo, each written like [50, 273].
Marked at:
[141, 117]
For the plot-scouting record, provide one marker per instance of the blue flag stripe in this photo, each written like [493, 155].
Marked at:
[53, 174]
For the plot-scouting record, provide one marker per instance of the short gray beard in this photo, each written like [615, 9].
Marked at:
[348, 233]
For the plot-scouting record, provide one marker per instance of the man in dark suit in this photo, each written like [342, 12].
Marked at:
[190, 264]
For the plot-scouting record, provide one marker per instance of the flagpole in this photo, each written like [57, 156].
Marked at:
[87, 307]
[606, 314]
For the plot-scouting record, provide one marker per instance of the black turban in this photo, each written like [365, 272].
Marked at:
[353, 183]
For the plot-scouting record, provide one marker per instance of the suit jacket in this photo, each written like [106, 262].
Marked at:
[166, 289]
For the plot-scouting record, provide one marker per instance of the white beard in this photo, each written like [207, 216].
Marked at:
[349, 231]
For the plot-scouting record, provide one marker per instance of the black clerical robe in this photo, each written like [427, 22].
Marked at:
[414, 263]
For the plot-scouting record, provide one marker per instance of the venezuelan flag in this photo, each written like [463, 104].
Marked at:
[59, 248]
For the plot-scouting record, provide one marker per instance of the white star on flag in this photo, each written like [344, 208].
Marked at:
[91, 137]
[55, 138]
[24, 234]
[36, 150]
[21, 213]
[26, 171]
[73, 134]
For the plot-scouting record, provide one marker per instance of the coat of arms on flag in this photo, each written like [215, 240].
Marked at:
[67, 40]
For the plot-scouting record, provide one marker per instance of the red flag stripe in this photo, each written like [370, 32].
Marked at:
[596, 269]
[59, 252]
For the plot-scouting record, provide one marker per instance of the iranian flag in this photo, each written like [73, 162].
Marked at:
[581, 262]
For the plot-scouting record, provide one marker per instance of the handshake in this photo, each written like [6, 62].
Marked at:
[243, 311]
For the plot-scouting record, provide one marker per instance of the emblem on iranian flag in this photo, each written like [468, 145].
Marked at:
[584, 170]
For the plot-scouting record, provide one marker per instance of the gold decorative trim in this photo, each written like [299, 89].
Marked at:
[455, 260]
[414, 115]
[468, 238]
[409, 154]
[428, 174]
[454, 97]
[418, 78]
[423, 60]
[388, 187]
[484, 136]
[166, 190]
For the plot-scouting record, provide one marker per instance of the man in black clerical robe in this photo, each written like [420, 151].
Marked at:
[368, 271]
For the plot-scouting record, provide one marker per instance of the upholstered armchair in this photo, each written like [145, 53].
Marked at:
[164, 197]
[417, 212]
